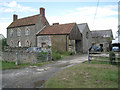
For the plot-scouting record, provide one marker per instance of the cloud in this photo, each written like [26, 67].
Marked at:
[13, 6]
[3, 26]
[106, 17]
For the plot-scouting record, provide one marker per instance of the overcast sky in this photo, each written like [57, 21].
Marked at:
[79, 11]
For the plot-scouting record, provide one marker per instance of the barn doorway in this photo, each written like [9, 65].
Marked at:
[78, 46]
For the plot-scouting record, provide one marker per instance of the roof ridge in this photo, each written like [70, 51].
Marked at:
[81, 23]
[63, 24]
[103, 30]
[28, 16]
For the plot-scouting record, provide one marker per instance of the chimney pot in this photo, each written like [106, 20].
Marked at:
[15, 17]
[55, 23]
[42, 12]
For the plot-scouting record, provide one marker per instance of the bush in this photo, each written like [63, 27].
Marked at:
[3, 43]
[112, 57]
[56, 55]
[41, 56]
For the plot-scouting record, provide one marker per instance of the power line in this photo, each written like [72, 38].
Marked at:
[96, 12]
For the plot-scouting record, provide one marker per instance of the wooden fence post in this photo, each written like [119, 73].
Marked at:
[88, 57]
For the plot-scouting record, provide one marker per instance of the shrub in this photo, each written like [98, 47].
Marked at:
[41, 56]
[56, 55]
[112, 57]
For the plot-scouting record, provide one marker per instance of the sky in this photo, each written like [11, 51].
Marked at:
[103, 17]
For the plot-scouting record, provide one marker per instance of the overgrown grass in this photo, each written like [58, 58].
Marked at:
[96, 62]
[12, 65]
[56, 55]
[85, 76]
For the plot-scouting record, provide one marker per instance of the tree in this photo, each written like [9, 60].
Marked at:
[3, 43]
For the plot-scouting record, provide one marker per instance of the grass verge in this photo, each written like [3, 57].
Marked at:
[85, 76]
[12, 65]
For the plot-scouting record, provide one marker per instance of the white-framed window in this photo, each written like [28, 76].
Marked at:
[11, 33]
[27, 31]
[18, 32]
[19, 44]
[27, 43]
[11, 43]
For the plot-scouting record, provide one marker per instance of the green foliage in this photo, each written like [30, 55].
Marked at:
[111, 57]
[3, 43]
[67, 53]
[48, 47]
[41, 56]
[108, 38]
[12, 65]
[56, 55]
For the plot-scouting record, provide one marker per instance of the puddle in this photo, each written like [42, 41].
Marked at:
[39, 84]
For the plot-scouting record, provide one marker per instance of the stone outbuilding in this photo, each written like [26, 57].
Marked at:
[86, 37]
[61, 37]
[102, 38]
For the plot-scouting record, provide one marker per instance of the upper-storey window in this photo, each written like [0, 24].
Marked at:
[11, 33]
[18, 32]
[27, 31]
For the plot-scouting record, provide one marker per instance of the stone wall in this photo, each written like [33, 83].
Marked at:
[20, 54]
[44, 39]
[21, 57]
[60, 43]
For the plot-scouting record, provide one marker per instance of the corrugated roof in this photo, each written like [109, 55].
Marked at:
[82, 26]
[101, 33]
[31, 20]
[57, 29]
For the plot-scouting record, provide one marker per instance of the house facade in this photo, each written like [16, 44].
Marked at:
[61, 37]
[22, 32]
[86, 37]
[102, 38]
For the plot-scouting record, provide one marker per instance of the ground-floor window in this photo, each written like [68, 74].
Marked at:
[43, 45]
[19, 44]
[11, 43]
[27, 43]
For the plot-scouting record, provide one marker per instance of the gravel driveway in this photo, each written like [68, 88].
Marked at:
[33, 76]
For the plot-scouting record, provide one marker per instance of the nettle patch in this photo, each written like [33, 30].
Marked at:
[42, 56]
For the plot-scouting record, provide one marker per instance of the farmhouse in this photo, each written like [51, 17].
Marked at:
[22, 32]
[61, 37]
[102, 38]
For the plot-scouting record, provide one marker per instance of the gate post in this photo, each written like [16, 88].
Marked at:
[16, 59]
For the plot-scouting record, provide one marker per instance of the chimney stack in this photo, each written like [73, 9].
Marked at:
[15, 17]
[55, 23]
[42, 12]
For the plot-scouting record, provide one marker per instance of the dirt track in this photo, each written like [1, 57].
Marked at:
[34, 77]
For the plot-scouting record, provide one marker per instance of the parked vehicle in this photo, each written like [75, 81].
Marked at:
[33, 49]
[115, 49]
[96, 48]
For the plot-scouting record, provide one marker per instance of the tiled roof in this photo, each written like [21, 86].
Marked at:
[57, 29]
[27, 21]
[101, 33]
